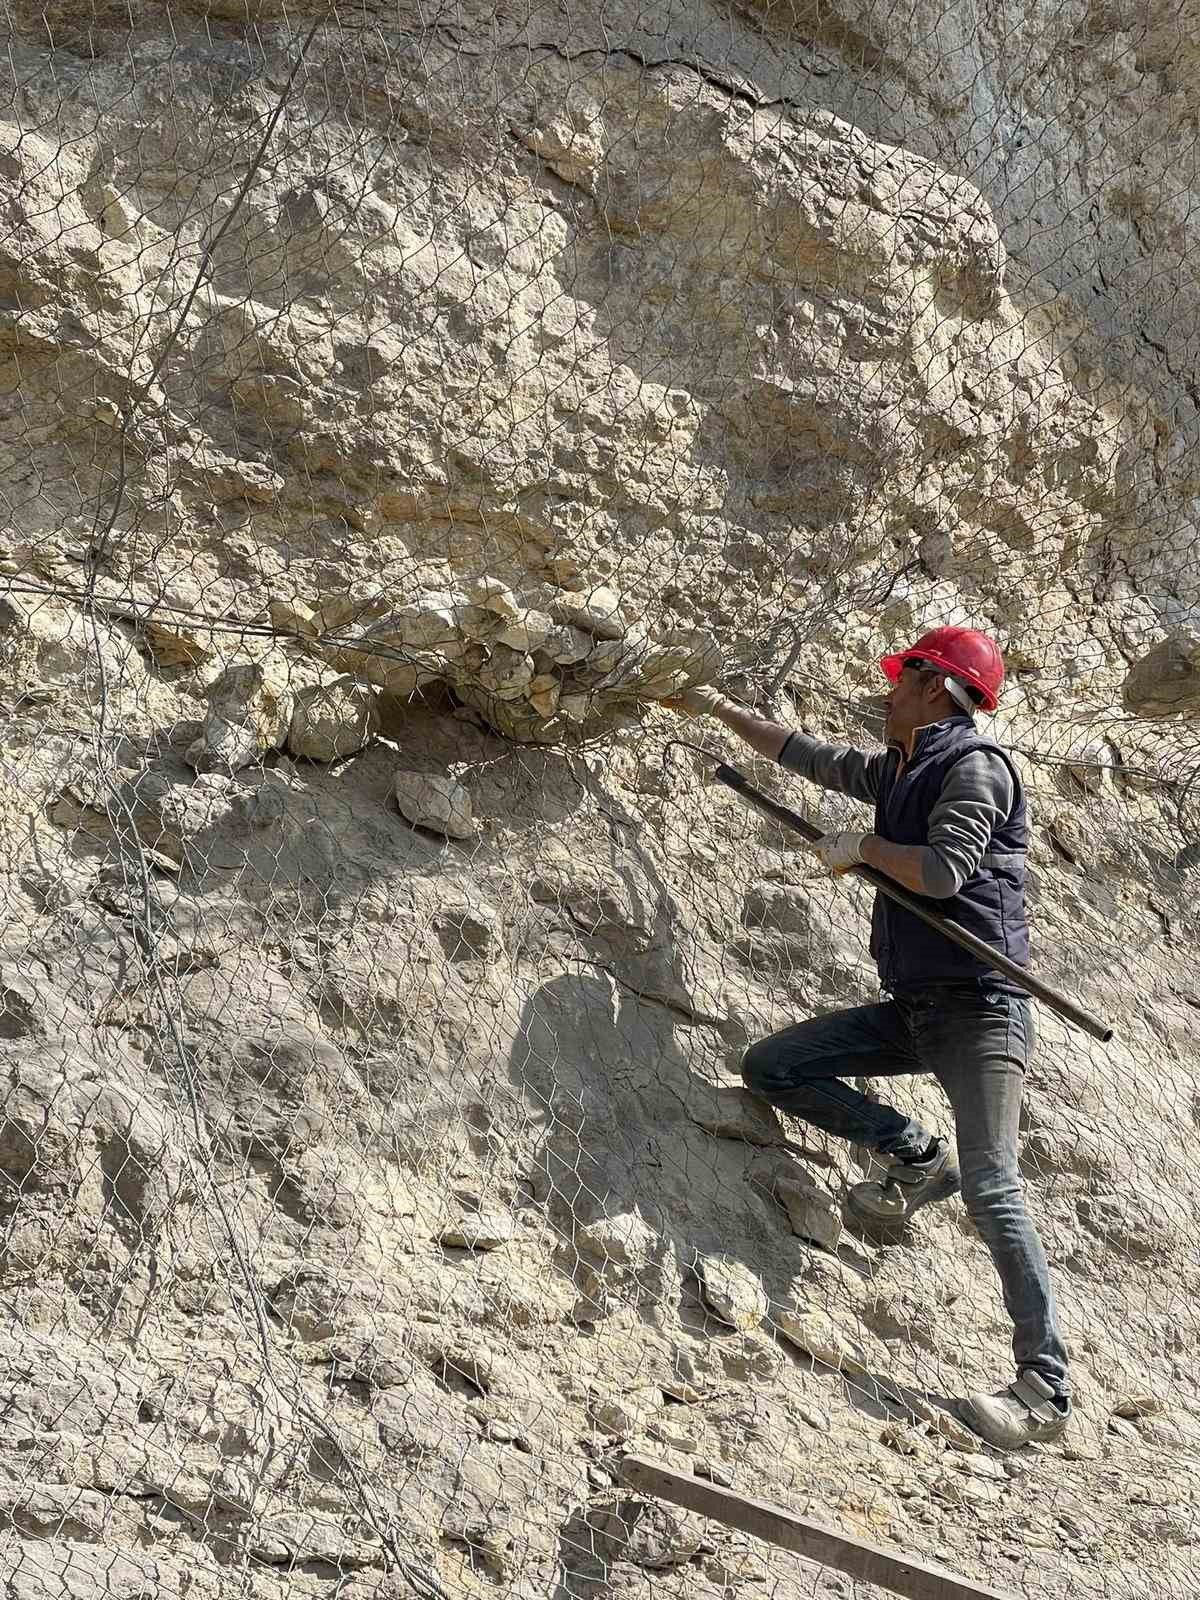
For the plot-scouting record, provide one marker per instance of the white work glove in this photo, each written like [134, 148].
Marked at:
[840, 851]
[700, 701]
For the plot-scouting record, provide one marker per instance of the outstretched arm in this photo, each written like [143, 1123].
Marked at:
[760, 733]
[832, 766]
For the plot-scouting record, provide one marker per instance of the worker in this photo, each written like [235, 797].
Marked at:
[950, 826]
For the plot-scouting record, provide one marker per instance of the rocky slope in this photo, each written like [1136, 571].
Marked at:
[395, 411]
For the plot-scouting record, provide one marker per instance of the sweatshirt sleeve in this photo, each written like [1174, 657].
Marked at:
[834, 766]
[976, 799]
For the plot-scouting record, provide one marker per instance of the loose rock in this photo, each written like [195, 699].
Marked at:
[626, 1415]
[811, 1211]
[650, 1534]
[249, 714]
[332, 720]
[598, 612]
[815, 1332]
[440, 804]
[625, 1238]
[730, 1113]
[1166, 682]
[490, 1230]
[732, 1292]
[1132, 1406]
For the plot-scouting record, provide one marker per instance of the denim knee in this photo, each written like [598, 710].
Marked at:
[989, 1189]
[758, 1064]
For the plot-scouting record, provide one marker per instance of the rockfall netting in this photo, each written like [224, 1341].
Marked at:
[399, 402]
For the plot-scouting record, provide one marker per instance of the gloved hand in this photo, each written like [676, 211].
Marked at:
[840, 851]
[697, 702]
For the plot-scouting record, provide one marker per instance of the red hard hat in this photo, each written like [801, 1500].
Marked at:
[964, 653]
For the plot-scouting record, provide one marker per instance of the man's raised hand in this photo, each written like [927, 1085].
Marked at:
[700, 701]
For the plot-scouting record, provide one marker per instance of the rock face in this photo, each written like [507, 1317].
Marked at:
[395, 414]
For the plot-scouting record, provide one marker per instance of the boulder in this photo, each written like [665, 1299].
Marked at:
[732, 1292]
[440, 804]
[332, 720]
[480, 1230]
[1166, 681]
[818, 1334]
[596, 611]
[249, 713]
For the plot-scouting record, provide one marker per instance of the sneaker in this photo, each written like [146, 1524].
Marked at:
[908, 1186]
[1029, 1411]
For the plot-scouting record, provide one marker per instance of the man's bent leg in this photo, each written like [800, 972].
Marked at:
[800, 1070]
[979, 1047]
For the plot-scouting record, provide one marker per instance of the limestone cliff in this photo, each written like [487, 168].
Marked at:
[397, 407]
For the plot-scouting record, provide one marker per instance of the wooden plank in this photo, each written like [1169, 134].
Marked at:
[902, 1574]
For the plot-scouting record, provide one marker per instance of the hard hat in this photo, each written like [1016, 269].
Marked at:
[962, 652]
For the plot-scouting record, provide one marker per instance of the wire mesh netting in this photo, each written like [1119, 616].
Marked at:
[399, 404]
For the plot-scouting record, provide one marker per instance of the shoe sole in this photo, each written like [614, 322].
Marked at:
[947, 1186]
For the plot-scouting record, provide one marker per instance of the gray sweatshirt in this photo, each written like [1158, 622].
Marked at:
[976, 798]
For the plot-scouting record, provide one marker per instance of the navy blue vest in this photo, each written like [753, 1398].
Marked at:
[991, 904]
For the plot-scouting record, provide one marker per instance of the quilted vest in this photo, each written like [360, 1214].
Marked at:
[990, 904]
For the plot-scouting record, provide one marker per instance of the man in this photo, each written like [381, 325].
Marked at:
[950, 826]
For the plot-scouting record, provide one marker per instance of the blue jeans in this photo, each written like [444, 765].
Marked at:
[977, 1042]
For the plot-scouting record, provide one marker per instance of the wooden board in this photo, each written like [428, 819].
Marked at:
[890, 1569]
